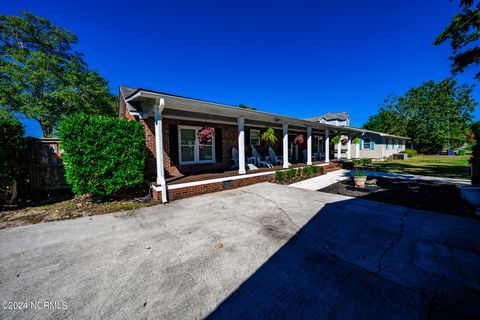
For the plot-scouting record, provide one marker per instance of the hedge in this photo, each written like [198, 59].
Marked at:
[291, 173]
[12, 145]
[410, 152]
[102, 155]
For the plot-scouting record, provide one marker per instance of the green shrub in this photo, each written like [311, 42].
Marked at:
[299, 171]
[290, 173]
[12, 145]
[410, 152]
[366, 161]
[307, 171]
[315, 170]
[103, 155]
[280, 175]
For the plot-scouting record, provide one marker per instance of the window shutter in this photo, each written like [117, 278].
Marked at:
[361, 144]
[218, 145]
[173, 143]
[372, 145]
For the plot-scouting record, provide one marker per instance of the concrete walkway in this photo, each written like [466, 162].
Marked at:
[330, 178]
[323, 181]
[264, 251]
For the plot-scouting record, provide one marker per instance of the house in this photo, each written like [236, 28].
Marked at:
[335, 118]
[180, 164]
[373, 145]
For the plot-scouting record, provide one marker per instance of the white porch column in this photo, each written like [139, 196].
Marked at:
[349, 148]
[159, 148]
[309, 146]
[327, 146]
[339, 146]
[285, 145]
[241, 145]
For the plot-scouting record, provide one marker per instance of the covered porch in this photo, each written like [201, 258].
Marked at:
[235, 148]
[180, 179]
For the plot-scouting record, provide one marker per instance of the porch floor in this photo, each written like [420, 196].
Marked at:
[228, 173]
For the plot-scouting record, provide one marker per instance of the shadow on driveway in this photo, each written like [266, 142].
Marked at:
[362, 264]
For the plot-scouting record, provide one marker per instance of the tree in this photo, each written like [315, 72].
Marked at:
[387, 119]
[246, 107]
[463, 33]
[42, 77]
[434, 115]
[12, 145]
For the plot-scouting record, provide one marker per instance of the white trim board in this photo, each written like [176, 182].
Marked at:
[237, 177]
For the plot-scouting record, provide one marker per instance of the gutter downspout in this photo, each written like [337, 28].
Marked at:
[159, 106]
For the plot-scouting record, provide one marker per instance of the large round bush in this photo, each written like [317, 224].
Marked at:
[102, 155]
[12, 145]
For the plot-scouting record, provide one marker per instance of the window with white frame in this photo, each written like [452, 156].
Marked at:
[190, 151]
[319, 146]
[254, 137]
[366, 144]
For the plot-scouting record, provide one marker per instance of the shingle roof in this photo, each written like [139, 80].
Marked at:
[331, 116]
[127, 91]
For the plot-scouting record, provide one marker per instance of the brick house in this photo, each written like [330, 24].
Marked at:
[180, 165]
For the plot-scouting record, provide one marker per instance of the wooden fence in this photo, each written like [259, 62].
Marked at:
[43, 170]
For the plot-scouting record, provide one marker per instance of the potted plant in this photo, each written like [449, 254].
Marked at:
[356, 140]
[336, 139]
[299, 139]
[359, 177]
[269, 136]
[205, 136]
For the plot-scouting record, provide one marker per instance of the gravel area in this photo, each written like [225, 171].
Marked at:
[423, 195]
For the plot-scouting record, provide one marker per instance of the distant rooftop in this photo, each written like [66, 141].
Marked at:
[342, 116]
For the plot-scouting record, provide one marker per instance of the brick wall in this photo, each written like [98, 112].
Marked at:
[186, 192]
[229, 140]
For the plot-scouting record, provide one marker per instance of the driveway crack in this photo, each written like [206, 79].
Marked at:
[276, 205]
[388, 248]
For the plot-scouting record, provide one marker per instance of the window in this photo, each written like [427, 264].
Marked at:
[319, 146]
[254, 137]
[189, 147]
[366, 144]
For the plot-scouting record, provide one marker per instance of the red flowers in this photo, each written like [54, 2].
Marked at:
[299, 139]
[205, 136]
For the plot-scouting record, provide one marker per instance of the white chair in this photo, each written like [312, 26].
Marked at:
[261, 161]
[234, 158]
[273, 157]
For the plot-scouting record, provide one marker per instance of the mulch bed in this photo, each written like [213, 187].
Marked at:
[297, 179]
[68, 207]
[422, 195]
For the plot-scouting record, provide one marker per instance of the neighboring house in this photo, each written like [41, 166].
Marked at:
[374, 145]
[179, 165]
[333, 118]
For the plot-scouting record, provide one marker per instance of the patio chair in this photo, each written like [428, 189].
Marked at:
[273, 157]
[234, 158]
[261, 161]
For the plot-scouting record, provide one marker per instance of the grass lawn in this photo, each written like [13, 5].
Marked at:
[439, 166]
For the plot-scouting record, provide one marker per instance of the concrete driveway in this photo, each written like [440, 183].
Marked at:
[263, 251]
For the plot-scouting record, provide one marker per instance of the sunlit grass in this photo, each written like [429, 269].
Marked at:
[430, 165]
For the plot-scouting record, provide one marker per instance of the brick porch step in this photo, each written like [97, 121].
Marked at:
[332, 167]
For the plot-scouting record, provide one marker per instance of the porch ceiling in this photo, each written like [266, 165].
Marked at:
[202, 110]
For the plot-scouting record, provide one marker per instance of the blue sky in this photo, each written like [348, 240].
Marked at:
[297, 58]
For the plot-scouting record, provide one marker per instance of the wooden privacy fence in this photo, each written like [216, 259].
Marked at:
[43, 170]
